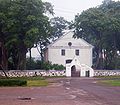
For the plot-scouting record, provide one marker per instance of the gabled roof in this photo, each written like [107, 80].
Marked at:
[68, 37]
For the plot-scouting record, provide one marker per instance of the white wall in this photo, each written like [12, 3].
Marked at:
[63, 41]
[85, 55]
[85, 50]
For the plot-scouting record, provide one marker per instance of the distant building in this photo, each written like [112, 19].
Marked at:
[66, 48]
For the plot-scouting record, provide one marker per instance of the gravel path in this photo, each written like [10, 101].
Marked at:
[65, 91]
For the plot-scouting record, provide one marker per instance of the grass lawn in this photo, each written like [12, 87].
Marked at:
[111, 82]
[37, 83]
[31, 81]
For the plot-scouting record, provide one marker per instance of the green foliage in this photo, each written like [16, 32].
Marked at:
[58, 67]
[43, 65]
[59, 24]
[23, 24]
[24, 81]
[12, 82]
[100, 26]
[30, 64]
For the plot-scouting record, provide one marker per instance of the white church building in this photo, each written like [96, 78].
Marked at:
[75, 54]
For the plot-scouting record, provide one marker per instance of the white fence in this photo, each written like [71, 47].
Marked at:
[106, 72]
[28, 73]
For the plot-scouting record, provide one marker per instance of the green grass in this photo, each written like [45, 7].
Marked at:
[111, 82]
[31, 81]
[37, 83]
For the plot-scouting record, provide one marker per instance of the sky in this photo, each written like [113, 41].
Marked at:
[68, 9]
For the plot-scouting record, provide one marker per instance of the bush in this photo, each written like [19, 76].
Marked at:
[43, 65]
[58, 67]
[12, 82]
[31, 65]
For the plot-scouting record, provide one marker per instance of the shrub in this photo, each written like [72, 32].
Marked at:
[42, 65]
[12, 82]
[30, 64]
[58, 67]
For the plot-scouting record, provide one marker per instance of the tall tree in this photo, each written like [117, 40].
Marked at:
[89, 26]
[26, 23]
[100, 26]
[59, 24]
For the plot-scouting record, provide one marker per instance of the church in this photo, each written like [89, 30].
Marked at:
[75, 54]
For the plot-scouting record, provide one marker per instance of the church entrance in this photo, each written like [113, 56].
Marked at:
[74, 73]
[87, 73]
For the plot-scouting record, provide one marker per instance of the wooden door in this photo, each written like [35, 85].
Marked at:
[74, 73]
[87, 73]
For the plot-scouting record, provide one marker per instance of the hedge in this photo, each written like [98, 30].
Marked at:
[12, 82]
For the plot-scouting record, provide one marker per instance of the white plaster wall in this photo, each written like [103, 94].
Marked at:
[54, 56]
[68, 70]
[63, 41]
[85, 56]
[82, 68]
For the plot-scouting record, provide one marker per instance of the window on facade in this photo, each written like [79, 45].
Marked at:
[63, 52]
[77, 52]
[68, 61]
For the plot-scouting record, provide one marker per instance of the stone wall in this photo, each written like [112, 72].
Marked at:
[29, 73]
[106, 72]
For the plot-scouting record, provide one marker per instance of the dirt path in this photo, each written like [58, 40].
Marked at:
[67, 91]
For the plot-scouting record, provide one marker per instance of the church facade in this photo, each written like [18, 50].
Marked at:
[66, 48]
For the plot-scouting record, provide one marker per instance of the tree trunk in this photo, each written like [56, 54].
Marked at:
[40, 50]
[3, 58]
[99, 59]
[30, 56]
[22, 61]
[22, 50]
[115, 53]
[41, 53]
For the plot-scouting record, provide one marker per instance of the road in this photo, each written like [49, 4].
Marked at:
[64, 91]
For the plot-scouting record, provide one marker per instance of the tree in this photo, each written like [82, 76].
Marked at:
[56, 28]
[90, 25]
[112, 10]
[100, 26]
[25, 23]
[59, 24]
[4, 8]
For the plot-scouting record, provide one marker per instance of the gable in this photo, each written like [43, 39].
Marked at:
[68, 37]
